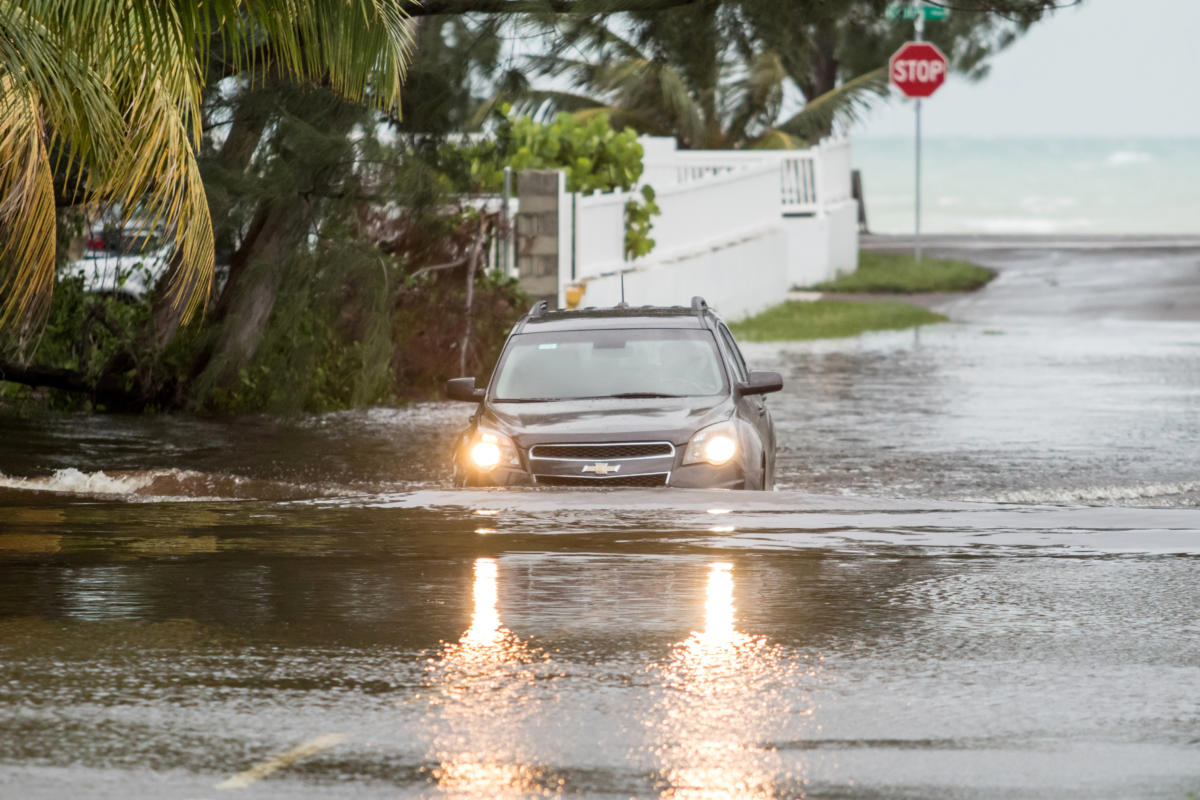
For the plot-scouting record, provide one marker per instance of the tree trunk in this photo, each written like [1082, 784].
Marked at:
[108, 391]
[472, 264]
[276, 236]
[249, 297]
[33, 375]
[249, 122]
[825, 64]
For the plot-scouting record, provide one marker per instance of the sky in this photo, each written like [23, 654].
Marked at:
[1103, 68]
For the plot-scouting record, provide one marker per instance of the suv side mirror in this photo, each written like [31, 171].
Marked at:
[761, 383]
[463, 389]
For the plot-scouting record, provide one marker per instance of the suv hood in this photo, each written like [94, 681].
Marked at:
[672, 419]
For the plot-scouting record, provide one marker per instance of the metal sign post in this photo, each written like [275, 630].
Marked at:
[917, 69]
[919, 25]
[506, 229]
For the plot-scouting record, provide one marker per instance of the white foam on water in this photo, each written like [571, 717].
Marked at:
[1123, 158]
[145, 486]
[434, 413]
[1027, 225]
[73, 481]
[1095, 494]
[171, 485]
[1048, 204]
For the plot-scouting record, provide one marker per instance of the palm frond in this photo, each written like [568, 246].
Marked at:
[838, 106]
[158, 180]
[757, 95]
[77, 106]
[360, 47]
[775, 139]
[611, 44]
[621, 118]
[114, 87]
[27, 217]
[545, 103]
[680, 106]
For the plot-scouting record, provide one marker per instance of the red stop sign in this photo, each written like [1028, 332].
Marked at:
[917, 69]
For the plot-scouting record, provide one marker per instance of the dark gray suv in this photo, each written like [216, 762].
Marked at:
[619, 396]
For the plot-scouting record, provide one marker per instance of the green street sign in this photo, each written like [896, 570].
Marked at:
[908, 12]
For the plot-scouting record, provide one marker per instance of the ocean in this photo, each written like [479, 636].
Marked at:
[1034, 185]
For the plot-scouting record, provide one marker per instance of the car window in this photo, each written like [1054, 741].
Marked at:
[739, 363]
[564, 365]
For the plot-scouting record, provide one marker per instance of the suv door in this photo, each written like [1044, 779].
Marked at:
[753, 408]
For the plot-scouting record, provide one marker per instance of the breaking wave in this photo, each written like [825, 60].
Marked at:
[160, 485]
[1088, 495]
[72, 481]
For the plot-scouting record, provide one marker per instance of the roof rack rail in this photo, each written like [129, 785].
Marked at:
[538, 309]
[699, 307]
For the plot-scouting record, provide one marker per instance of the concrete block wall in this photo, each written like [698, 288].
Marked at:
[539, 233]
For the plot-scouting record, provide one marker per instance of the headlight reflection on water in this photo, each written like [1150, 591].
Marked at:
[718, 606]
[485, 621]
[483, 693]
[722, 694]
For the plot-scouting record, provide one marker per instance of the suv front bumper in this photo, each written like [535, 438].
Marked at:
[692, 476]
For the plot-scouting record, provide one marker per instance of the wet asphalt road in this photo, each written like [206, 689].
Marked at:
[978, 579]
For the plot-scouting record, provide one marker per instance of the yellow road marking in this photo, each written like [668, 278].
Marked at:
[297, 753]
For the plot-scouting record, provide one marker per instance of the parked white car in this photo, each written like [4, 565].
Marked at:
[123, 261]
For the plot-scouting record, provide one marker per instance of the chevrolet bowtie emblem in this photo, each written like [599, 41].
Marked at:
[601, 468]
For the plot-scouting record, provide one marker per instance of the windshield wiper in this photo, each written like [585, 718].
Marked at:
[527, 399]
[635, 395]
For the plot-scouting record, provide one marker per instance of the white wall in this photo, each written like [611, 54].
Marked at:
[739, 278]
[738, 227]
[658, 161]
[693, 217]
[807, 250]
[707, 214]
[843, 238]
[822, 246]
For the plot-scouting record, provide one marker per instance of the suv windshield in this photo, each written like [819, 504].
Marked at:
[566, 365]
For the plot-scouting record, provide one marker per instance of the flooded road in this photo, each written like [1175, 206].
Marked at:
[978, 579]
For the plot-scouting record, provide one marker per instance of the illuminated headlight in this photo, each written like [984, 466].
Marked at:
[489, 450]
[715, 445]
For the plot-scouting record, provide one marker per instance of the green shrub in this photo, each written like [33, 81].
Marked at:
[900, 273]
[595, 157]
[824, 319]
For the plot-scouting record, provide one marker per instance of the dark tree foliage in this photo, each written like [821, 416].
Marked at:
[718, 73]
[344, 264]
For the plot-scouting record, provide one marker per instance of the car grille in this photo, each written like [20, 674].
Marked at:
[602, 463]
[658, 479]
[597, 452]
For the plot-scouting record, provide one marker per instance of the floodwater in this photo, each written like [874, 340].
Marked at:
[978, 579]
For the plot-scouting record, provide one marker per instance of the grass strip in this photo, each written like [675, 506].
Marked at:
[899, 273]
[827, 319]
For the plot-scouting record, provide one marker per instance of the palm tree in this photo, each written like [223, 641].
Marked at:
[100, 103]
[701, 78]
[718, 73]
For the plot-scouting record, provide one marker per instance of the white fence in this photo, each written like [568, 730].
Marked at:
[694, 217]
[809, 180]
[739, 227]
